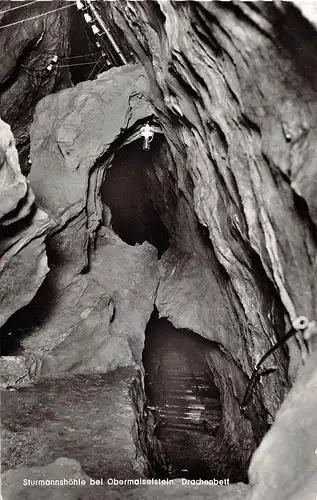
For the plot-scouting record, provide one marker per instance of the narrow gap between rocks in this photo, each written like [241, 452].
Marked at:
[127, 192]
[185, 407]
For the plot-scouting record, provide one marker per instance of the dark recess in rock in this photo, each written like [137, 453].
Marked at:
[83, 53]
[187, 405]
[126, 191]
[226, 198]
[25, 320]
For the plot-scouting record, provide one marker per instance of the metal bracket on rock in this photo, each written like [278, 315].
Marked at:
[299, 324]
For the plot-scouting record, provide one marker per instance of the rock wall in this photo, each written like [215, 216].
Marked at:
[234, 87]
[28, 49]
[88, 417]
[89, 317]
[63, 467]
[23, 229]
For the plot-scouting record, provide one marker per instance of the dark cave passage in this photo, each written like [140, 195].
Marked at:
[126, 191]
[184, 401]
[90, 55]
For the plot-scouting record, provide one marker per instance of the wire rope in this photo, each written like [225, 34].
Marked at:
[17, 7]
[36, 17]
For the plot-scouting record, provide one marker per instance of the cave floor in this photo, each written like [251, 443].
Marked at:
[83, 416]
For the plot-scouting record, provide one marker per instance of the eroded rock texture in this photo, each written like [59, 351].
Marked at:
[23, 228]
[231, 182]
[91, 312]
[89, 418]
[28, 48]
[235, 89]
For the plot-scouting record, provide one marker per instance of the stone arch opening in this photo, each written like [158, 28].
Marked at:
[186, 406]
[136, 213]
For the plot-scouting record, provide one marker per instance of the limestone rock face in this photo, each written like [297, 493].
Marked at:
[292, 441]
[107, 286]
[28, 49]
[244, 135]
[232, 88]
[23, 229]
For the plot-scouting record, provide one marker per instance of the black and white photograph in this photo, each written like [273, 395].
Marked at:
[158, 249]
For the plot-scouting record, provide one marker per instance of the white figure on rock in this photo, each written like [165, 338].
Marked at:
[147, 132]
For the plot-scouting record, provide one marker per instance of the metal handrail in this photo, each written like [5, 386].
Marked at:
[300, 324]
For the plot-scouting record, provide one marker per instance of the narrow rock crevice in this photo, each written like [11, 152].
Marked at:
[148, 447]
[189, 399]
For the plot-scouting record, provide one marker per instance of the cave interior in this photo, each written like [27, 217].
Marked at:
[127, 192]
[183, 401]
[183, 397]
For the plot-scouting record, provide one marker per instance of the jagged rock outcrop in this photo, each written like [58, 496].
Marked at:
[191, 400]
[23, 229]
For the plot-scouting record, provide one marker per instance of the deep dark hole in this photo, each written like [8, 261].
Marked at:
[183, 400]
[303, 212]
[128, 195]
[84, 53]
